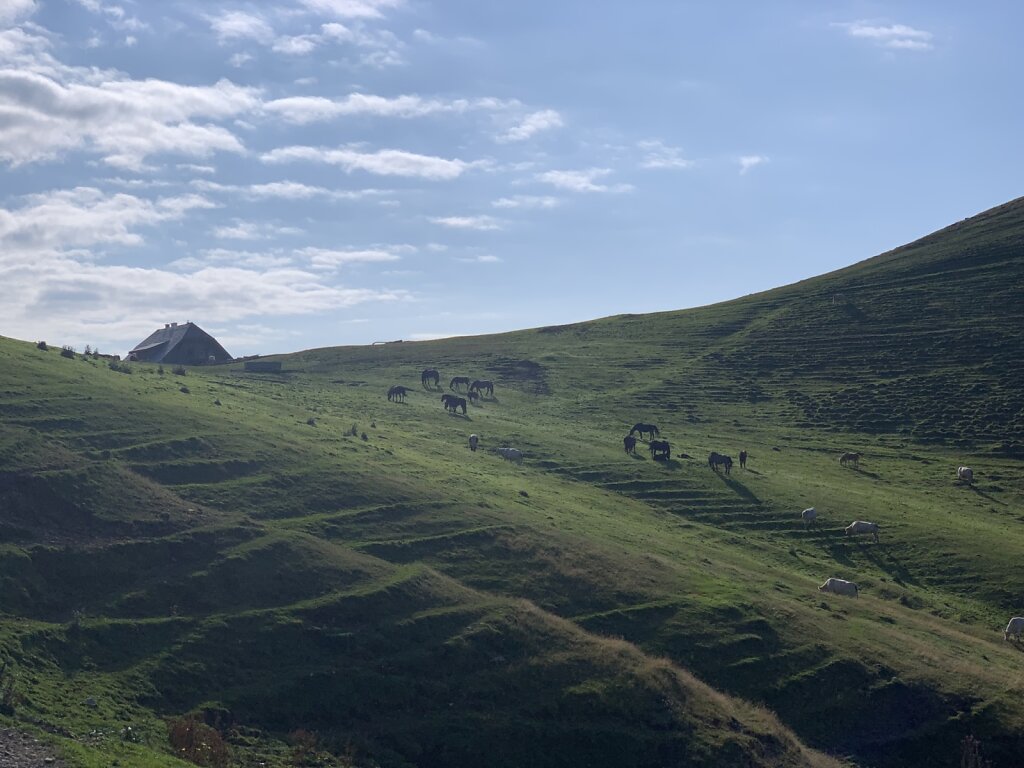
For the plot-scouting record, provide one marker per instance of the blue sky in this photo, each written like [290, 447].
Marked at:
[321, 172]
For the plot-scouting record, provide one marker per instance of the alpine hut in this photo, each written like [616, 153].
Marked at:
[187, 344]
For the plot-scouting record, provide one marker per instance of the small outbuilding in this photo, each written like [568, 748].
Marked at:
[185, 344]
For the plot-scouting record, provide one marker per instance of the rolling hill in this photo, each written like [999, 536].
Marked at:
[313, 570]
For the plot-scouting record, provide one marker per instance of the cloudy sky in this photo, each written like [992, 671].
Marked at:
[317, 172]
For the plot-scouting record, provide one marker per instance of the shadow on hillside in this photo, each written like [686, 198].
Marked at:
[740, 489]
[752, 471]
[636, 456]
[886, 561]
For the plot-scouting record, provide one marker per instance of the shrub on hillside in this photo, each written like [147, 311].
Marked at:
[9, 696]
[41, 345]
[195, 741]
[67, 351]
[179, 370]
[303, 746]
[119, 367]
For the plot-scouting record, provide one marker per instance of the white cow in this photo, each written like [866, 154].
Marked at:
[965, 474]
[840, 587]
[473, 442]
[859, 526]
[1015, 627]
[512, 454]
[809, 516]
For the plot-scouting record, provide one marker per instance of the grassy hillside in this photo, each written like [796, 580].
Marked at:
[292, 554]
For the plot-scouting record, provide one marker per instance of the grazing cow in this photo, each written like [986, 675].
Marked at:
[716, 460]
[840, 587]
[457, 382]
[474, 441]
[650, 429]
[965, 475]
[809, 516]
[850, 458]
[629, 443]
[481, 386]
[1015, 627]
[660, 449]
[859, 526]
[511, 454]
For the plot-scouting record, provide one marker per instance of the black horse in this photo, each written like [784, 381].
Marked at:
[629, 443]
[457, 382]
[743, 459]
[431, 375]
[473, 395]
[481, 386]
[716, 460]
[650, 429]
[397, 393]
[660, 449]
[453, 403]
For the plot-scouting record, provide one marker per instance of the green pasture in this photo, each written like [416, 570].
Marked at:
[285, 553]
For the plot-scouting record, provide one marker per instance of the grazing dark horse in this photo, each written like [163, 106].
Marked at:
[453, 403]
[482, 385]
[650, 429]
[457, 382]
[473, 395]
[629, 443]
[716, 460]
[660, 449]
[743, 459]
[397, 393]
[432, 375]
[850, 458]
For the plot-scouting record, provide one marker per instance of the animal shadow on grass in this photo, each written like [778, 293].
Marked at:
[752, 471]
[886, 561]
[866, 473]
[740, 489]
[465, 416]
[667, 463]
[637, 457]
[984, 495]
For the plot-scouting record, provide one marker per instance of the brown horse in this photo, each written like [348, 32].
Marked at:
[650, 429]
[716, 460]
[660, 449]
[431, 375]
[397, 393]
[453, 403]
[629, 443]
[459, 381]
[481, 386]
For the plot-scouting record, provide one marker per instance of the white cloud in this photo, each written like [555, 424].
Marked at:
[895, 36]
[251, 230]
[240, 59]
[480, 223]
[532, 124]
[527, 201]
[296, 45]
[486, 258]
[14, 10]
[582, 181]
[323, 258]
[658, 155]
[57, 288]
[301, 110]
[196, 168]
[746, 162]
[239, 25]
[351, 9]
[49, 108]
[385, 162]
[86, 216]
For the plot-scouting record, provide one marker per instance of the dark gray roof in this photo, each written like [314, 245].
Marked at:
[160, 345]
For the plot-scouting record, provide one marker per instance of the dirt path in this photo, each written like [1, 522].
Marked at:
[22, 750]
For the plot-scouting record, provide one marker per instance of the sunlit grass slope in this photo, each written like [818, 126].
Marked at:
[234, 550]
